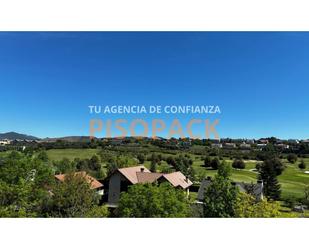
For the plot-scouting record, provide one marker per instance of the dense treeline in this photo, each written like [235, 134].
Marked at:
[172, 146]
[28, 187]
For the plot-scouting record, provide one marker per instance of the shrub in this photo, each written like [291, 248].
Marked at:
[215, 163]
[292, 158]
[302, 165]
[238, 164]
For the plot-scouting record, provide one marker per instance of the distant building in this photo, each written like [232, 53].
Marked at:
[5, 142]
[122, 178]
[245, 146]
[262, 141]
[117, 141]
[282, 146]
[216, 145]
[229, 145]
[293, 141]
[261, 145]
[250, 141]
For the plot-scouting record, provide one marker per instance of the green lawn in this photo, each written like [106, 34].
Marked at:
[58, 154]
[292, 180]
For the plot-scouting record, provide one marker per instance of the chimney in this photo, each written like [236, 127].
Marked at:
[142, 169]
[187, 179]
[260, 194]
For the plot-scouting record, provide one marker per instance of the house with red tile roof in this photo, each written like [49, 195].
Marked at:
[94, 183]
[122, 178]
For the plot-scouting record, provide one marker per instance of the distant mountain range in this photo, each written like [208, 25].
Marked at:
[15, 135]
[18, 136]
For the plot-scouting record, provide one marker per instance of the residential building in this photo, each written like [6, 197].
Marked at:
[230, 145]
[293, 141]
[5, 142]
[122, 178]
[216, 145]
[94, 183]
[262, 141]
[261, 145]
[250, 141]
[245, 146]
[282, 146]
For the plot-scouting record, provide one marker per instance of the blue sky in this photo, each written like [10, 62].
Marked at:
[259, 80]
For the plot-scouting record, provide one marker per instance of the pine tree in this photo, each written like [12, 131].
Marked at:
[153, 166]
[269, 176]
[207, 162]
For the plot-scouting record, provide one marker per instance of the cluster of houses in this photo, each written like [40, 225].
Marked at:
[4, 142]
[247, 144]
[225, 143]
[122, 178]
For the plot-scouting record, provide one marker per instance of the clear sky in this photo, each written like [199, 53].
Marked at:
[259, 80]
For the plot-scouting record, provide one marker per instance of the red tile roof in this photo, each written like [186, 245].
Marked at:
[94, 183]
[130, 173]
[145, 177]
[178, 179]
[140, 174]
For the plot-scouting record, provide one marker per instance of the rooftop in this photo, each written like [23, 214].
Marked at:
[140, 174]
[94, 183]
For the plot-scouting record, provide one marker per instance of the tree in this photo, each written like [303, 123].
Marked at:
[111, 166]
[73, 197]
[292, 158]
[276, 164]
[16, 200]
[302, 165]
[224, 170]
[64, 166]
[183, 164]
[238, 164]
[268, 174]
[98, 212]
[221, 195]
[141, 158]
[94, 163]
[102, 173]
[215, 162]
[153, 166]
[23, 182]
[207, 162]
[81, 164]
[43, 156]
[306, 194]
[154, 157]
[150, 200]
[171, 161]
[191, 174]
[247, 207]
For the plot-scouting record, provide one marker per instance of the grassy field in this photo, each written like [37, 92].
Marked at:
[292, 180]
[58, 154]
